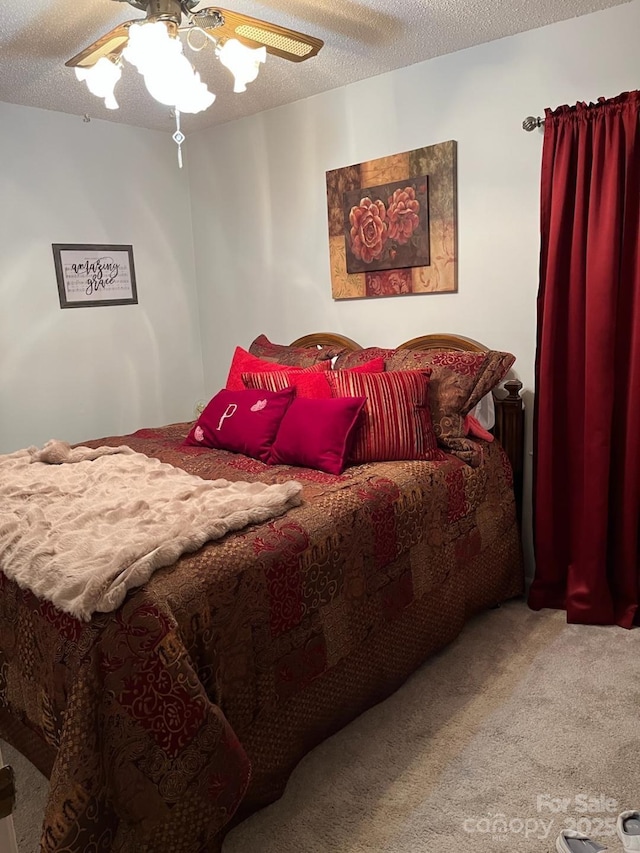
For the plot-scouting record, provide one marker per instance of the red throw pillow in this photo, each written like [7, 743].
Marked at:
[309, 383]
[241, 421]
[376, 365]
[244, 362]
[317, 433]
[472, 426]
[396, 422]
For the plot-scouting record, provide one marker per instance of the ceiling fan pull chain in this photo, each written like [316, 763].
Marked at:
[179, 137]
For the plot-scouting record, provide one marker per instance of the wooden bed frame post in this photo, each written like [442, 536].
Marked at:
[509, 431]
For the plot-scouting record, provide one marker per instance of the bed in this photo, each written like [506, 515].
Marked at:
[162, 724]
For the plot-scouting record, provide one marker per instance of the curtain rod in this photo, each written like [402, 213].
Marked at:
[531, 122]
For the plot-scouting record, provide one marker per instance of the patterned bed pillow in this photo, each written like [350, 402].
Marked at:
[244, 422]
[458, 382]
[395, 421]
[317, 433]
[360, 357]
[244, 362]
[263, 348]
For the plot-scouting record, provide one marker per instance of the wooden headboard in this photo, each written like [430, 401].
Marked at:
[509, 428]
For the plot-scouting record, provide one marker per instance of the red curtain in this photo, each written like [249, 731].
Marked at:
[587, 410]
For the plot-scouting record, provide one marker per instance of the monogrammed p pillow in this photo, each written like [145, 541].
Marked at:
[242, 421]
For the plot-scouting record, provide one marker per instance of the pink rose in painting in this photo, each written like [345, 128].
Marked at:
[403, 214]
[368, 229]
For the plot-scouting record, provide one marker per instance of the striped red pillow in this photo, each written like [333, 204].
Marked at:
[309, 385]
[395, 421]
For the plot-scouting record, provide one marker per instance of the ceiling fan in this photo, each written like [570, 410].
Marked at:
[154, 46]
[221, 23]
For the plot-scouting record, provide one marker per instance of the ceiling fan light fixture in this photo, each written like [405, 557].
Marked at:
[242, 61]
[101, 80]
[168, 75]
[153, 46]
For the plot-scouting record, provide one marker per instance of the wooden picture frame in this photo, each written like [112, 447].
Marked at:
[94, 275]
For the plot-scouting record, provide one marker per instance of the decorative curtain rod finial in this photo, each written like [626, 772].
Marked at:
[532, 122]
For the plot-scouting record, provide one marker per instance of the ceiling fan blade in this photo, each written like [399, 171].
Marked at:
[280, 41]
[110, 44]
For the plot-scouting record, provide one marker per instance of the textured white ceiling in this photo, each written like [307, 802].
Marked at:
[362, 38]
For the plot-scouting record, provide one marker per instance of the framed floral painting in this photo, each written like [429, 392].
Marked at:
[392, 224]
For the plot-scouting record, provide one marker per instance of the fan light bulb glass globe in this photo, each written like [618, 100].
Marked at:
[242, 61]
[168, 75]
[101, 80]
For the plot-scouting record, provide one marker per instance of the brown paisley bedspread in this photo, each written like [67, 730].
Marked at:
[205, 688]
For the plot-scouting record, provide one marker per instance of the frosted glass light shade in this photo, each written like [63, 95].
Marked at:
[168, 75]
[101, 80]
[242, 61]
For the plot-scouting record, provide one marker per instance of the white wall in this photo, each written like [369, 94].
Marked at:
[259, 205]
[81, 373]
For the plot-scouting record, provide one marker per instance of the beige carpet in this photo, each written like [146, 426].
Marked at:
[522, 726]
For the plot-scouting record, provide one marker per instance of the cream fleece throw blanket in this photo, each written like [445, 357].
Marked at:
[80, 527]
